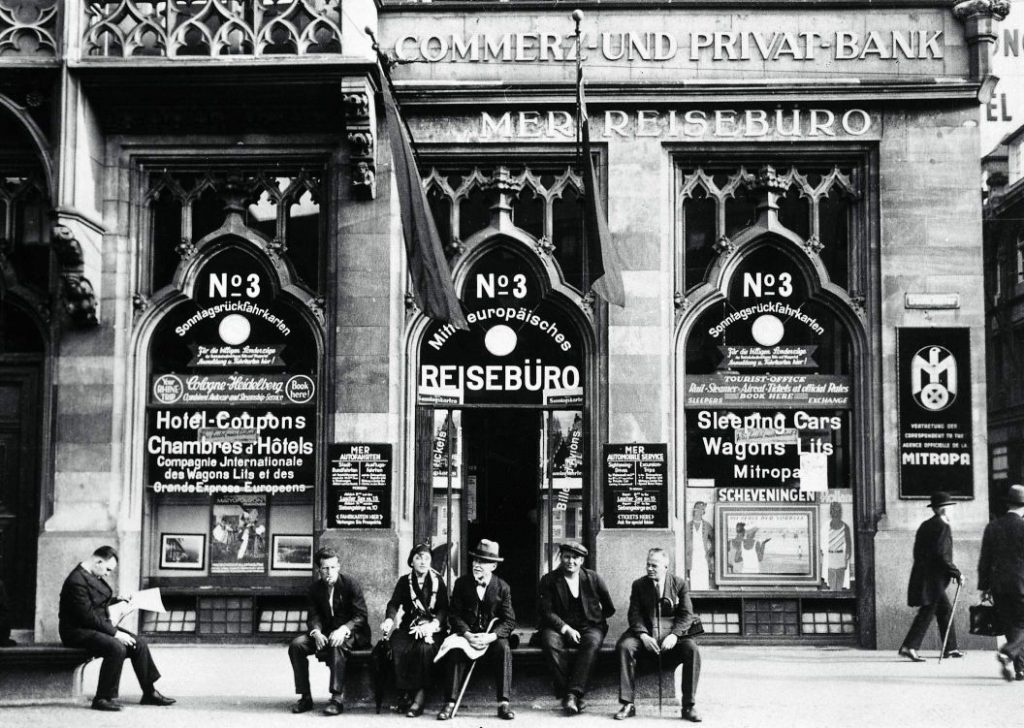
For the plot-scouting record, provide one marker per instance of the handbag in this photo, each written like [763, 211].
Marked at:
[984, 620]
[696, 628]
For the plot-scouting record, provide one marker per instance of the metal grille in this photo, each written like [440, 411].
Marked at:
[771, 617]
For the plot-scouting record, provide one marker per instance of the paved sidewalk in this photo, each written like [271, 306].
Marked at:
[762, 687]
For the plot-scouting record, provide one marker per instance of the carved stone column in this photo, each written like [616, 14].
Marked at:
[361, 131]
[979, 18]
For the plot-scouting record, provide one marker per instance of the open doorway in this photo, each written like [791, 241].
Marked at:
[501, 450]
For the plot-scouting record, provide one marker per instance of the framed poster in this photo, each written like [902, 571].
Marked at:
[292, 552]
[183, 551]
[238, 528]
[934, 403]
[766, 545]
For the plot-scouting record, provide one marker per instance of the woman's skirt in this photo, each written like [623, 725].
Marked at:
[414, 660]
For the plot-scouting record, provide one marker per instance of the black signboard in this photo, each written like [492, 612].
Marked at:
[934, 397]
[360, 485]
[636, 485]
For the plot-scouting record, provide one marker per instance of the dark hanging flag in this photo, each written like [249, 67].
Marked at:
[602, 261]
[431, 278]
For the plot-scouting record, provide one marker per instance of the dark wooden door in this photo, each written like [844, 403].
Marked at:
[20, 404]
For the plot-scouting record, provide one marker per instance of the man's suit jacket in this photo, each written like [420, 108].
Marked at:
[643, 600]
[933, 563]
[349, 610]
[1001, 566]
[84, 599]
[554, 599]
[467, 613]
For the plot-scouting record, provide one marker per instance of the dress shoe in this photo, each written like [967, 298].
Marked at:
[690, 713]
[446, 712]
[569, 705]
[1006, 666]
[911, 654]
[628, 710]
[952, 654]
[155, 697]
[106, 704]
[581, 704]
[333, 708]
[505, 711]
[303, 705]
[415, 711]
[1019, 675]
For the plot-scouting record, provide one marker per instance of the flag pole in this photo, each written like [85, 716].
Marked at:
[577, 17]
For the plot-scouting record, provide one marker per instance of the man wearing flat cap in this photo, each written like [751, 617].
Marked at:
[1001, 575]
[931, 573]
[574, 606]
[480, 610]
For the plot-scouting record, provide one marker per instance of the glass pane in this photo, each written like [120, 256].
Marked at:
[562, 458]
[448, 516]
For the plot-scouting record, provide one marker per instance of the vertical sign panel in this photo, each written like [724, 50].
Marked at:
[934, 396]
[636, 485]
[360, 485]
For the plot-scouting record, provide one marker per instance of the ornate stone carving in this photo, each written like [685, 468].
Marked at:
[858, 303]
[724, 246]
[454, 249]
[545, 246]
[211, 28]
[140, 303]
[361, 128]
[997, 9]
[813, 245]
[587, 304]
[317, 305]
[411, 307]
[77, 291]
[186, 249]
[680, 302]
[29, 29]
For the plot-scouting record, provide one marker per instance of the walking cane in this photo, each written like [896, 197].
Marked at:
[469, 674]
[657, 612]
[952, 612]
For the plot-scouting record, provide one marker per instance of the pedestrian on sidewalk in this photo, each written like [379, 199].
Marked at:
[574, 606]
[1001, 575]
[337, 625]
[423, 598]
[659, 606]
[84, 621]
[931, 573]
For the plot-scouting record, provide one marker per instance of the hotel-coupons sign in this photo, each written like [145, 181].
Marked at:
[934, 398]
[636, 485]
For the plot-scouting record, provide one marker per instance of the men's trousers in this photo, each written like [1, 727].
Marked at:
[684, 652]
[114, 652]
[299, 651]
[499, 655]
[941, 610]
[1010, 612]
[572, 675]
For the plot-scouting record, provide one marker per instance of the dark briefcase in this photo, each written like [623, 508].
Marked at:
[984, 620]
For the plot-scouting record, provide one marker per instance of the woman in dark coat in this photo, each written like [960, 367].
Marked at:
[423, 598]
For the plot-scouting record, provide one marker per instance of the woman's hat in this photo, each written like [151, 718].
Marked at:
[420, 548]
[1015, 496]
[486, 551]
[940, 499]
[573, 547]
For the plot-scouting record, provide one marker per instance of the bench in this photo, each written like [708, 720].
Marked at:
[531, 681]
[41, 673]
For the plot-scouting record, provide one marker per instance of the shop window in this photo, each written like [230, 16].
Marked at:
[173, 621]
[283, 205]
[774, 617]
[225, 616]
[719, 616]
[544, 201]
[25, 224]
[827, 618]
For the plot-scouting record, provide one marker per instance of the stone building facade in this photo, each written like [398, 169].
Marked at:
[213, 361]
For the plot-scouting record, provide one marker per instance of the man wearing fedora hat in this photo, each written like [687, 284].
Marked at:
[1001, 574]
[478, 598]
[930, 575]
[574, 606]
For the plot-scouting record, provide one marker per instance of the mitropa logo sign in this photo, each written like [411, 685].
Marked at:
[933, 378]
